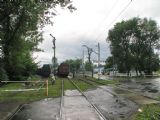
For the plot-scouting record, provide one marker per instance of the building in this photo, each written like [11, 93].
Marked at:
[95, 63]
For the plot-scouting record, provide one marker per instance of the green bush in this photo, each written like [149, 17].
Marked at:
[19, 78]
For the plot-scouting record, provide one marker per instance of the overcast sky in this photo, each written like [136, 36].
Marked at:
[88, 25]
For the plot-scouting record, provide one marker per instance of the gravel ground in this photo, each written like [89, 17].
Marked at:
[117, 108]
[7, 108]
[47, 109]
[76, 107]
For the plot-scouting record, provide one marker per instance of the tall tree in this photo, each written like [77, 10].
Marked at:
[120, 45]
[88, 66]
[20, 21]
[74, 64]
[109, 62]
[133, 43]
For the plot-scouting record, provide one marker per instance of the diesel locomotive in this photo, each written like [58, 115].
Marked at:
[63, 70]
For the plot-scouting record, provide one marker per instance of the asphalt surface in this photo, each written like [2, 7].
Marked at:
[113, 107]
[7, 108]
[149, 87]
[47, 109]
[76, 107]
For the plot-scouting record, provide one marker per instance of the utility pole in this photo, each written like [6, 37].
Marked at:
[83, 68]
[54, 58]
[90, 50]
[99, 61]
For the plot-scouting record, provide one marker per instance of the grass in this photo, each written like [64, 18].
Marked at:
[106, 82]
[28, 96]
[157, 72]
[11, 86]
[82, 85]
[149, 112]
[35, 78]
[53, 90]
[68, 85]
[158, 98]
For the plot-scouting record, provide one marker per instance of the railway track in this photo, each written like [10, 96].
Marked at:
[91, 82]
[61, 111]
[59, 117]
[61, 100]
[18, 109]
[96, 84]
[15, 112]
[83, 94]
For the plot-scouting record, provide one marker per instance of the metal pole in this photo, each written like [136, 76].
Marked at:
[90, 50]
[54, 48]
[54, 54]
[47, 88]
[98, 61]
[83, 64]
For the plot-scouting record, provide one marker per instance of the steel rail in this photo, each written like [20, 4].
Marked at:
[83, 94]
[123, 88]
[111, 93]
[39, 81]
[10, 117]
[61, 101]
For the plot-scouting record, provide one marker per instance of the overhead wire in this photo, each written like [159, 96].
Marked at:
[107, 15]
[116, 17]
[113, 6]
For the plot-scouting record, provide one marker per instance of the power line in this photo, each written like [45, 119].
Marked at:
[120, 13]
[108, 13]
[116, 17]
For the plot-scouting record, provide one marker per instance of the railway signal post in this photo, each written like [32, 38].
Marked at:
[90, 50]
[99, 61]
[54, 48]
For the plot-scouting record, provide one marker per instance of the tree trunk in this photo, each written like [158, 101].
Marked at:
[140, 72]
[150, 60]
[128, 71]
[136, 72]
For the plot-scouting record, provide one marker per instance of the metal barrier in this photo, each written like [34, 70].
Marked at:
[18, 90]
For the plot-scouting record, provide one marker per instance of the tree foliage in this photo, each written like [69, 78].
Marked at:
[133, 43]
[109, 62]
[88, 66]
[74, 64]
[46, 70]
[20, 21]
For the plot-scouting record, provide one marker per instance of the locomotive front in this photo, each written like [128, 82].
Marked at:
[63, 70]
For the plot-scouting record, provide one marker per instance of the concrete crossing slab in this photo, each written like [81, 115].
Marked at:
[76, 107]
